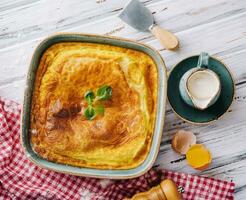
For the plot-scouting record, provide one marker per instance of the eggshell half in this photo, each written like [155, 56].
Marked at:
[182, 141]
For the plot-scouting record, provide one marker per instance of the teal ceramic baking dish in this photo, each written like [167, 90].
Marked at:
[90, 172]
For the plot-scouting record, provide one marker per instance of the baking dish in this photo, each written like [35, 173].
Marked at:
[99, 173]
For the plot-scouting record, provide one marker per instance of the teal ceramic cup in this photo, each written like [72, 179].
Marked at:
[200, 87]
[189, 113]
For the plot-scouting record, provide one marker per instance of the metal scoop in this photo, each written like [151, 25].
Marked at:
[140, 18]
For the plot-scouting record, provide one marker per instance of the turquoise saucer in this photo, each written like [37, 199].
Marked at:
[213, 112]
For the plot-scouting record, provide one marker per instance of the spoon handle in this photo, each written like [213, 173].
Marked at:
[166, 38]
[203, 60]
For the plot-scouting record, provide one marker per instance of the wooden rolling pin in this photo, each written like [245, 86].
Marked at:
[166, 190]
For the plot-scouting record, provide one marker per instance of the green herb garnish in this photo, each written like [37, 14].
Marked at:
[90, 112]
[89, 96]
[99, 109]
[103, 93]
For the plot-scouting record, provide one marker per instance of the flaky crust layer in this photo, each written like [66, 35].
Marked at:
[121, 138]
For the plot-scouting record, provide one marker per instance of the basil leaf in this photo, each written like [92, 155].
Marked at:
[90, 112]
[93, 109]
[89, 96]
[104, 92]
[99, 109]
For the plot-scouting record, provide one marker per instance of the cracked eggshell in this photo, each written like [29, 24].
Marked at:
[182, 141]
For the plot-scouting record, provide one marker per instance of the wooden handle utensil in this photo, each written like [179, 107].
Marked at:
[166, 38]
[166, 190]
[139, 17]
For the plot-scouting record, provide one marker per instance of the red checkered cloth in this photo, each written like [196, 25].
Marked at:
[21, 179]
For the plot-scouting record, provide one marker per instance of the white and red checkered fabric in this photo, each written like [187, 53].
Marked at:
[21, 179]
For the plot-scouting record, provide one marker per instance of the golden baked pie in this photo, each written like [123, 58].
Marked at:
[118, 139]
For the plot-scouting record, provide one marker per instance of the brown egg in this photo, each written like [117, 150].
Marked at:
[182, 141]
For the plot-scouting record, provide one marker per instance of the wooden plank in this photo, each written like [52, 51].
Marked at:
[24, 20]
[13, 90]
[38, 20]
[218, 38]
[15, 59]
[7, 5]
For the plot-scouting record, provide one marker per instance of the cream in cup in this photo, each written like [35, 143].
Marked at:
[200, 87]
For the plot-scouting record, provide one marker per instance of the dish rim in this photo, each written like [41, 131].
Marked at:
[83, 171]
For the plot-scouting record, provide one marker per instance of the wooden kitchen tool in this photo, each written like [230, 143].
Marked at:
[166, 190]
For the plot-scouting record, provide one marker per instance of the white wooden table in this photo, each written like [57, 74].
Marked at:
[217, 27]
